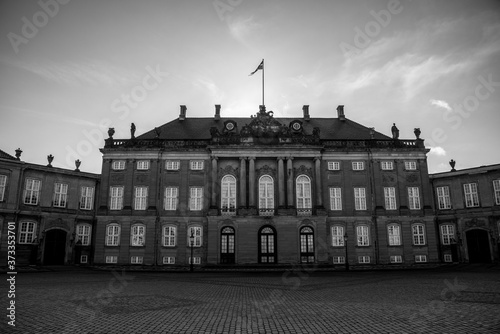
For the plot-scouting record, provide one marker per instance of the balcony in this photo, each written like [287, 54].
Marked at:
[304, 212]
[228, 212]
[266, 212]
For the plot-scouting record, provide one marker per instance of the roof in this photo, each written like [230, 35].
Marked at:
[199, 128]
[4, 155]
[466, 171]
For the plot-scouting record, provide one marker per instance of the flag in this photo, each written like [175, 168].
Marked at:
[260, 67]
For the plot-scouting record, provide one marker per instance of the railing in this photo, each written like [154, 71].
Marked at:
[374, 143]
[228, 212]
[304, 212]
[266, 212]
[160, 143]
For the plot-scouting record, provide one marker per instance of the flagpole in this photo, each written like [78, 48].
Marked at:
[263, 82]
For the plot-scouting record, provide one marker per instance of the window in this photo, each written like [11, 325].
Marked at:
[3, 184]
[447, 234]
[335, 199]
[420, 258]
[418, 232]
[410, 165]
[364, 259]
[196, 260]
[27, 232]
[143, 165]
[228, 195]
[390, 198]
[172, 164]
[359, 199]
[60, 195]
[266, 195]
[168, 260]
[113, 235]
[137, 235]
[171, 196]
[306, 245]
[31, 191]
[83, 234]
[337, 236]
[471, 196]
[84, 259]
[358, 165]
[413, 198]
[87, 198]
[447, 258]
[443, 195]
[136, 259]
[496, 189]
[386, 165]
[362, 235]
[116, 198]
[394, 232]
[333, 165]
[303, 192]
[111, 259]
[267, 245]
[118, 165]
[169, 236]
[196, 199]
[396, 259]
[141, 198]
[338, 259]
[196, 232]
[196, 164]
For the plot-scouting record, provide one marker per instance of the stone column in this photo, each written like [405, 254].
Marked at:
[317, 173]
[251, 182]
[281, 183]
[213, 202]
[289, 171]
[243, 182]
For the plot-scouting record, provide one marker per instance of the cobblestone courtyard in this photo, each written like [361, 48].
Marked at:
[98, 302]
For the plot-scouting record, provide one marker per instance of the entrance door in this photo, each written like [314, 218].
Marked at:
[55, 247]
[227, 245]
[306, 245]
[267, 246]
[478, 246]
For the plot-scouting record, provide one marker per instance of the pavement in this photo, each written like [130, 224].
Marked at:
[452, 299]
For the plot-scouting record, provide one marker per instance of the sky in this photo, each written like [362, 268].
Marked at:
[70, 69]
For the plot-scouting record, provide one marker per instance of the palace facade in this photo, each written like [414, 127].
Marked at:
[47, 212]
[265, 190]
[468, 214]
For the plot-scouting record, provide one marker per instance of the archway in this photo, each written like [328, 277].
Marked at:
[55, 247]
[478, 246]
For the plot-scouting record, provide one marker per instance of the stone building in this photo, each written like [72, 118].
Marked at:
[48, 211]
[467, 205]
[265, 190]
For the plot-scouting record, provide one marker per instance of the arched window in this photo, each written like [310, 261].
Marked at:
[266, 195]
[306, 245]
[138, 235]
[303, 192]
[227, 245]
[228, 195]
[267, 245]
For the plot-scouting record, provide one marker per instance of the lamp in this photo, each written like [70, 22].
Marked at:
[346, 255]
[191, 242]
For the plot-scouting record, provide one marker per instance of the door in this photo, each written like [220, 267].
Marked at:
[227, 245]
[55, 247]
[267, 245]
[478, 246]
[306, 245]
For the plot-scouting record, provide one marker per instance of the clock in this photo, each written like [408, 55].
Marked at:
[296, 126]
[229, 126]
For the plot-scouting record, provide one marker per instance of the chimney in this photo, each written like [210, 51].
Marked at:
[217, 112]
[305, 109]
[340, 112]
[182, 115]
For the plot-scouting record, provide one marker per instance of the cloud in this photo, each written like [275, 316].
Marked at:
[242, 28]
[79, 73]
[440, 104]
[437, 150]
[209, 85]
